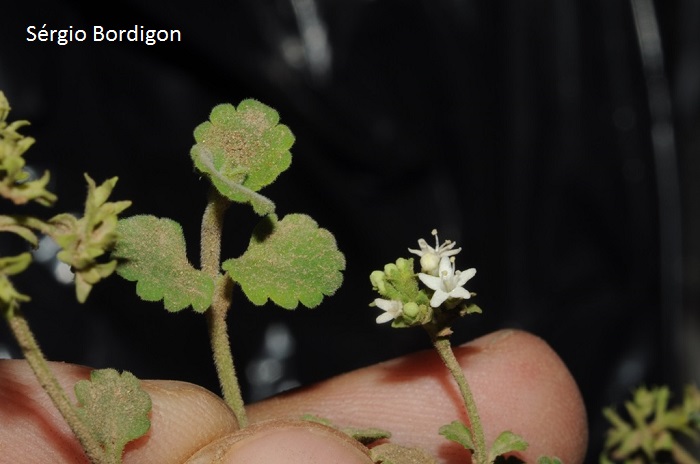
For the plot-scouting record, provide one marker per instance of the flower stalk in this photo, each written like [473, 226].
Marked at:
[444, 348]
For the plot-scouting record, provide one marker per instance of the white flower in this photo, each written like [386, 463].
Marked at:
[392, 309]
[430, 257]
[448, 283]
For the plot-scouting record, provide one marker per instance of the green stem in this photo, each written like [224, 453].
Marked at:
[444, 349]
[32, 353]
[210, 256]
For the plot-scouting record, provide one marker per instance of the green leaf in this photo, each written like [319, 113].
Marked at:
[236, 192]
[15, 183]
[390, 453]
[115, 408]
[288, 261]
[507, 442]
[365, 435]
[152, 252]
[458, 432]
[242, 150]
[90, 237]
[472, 309]
[12, 224]
[12, 265]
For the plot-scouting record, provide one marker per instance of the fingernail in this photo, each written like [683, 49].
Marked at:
[288, 442]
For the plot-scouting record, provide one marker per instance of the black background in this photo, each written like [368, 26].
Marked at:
[526, 131]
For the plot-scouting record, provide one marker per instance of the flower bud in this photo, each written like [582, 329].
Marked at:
[377, 280]
[429, 263]
[410, 309]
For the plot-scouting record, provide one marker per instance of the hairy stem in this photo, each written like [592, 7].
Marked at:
[681, 456]
[35, 358]
[210, 256]
[444, 349]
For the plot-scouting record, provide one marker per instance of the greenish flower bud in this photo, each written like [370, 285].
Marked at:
[410, 309]
[390, 268]
[377, 279]
[404, 265]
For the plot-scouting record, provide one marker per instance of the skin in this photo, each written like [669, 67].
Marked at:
[519, 384]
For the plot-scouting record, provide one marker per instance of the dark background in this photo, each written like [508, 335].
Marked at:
[556, 141]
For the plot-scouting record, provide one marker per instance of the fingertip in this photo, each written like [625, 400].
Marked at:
[525, 387]
[519, 384]
[184, 418]
[284, 442]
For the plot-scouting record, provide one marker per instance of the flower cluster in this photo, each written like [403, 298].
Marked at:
[406, 303]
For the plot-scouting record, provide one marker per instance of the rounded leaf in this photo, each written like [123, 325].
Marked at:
[288, 261]
[115, 408]
[152, 252]
[242, 149]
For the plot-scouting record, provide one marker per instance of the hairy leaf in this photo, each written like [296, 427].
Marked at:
[115, 408]
[390, 453]
[242, 150]
[458, 432]
[288, 261]
[364, 435]
[14, 225]
[506, 442]
[15, 182]
[152, 252]
[84, 240]
[11, 265]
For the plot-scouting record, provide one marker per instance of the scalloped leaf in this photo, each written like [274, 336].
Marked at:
[115, 407]
[152, 252]
[458, 432]
[288, 261]
[507, 442]
[242, 150]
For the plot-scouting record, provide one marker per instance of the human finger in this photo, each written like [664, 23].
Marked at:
[518, 381]
[184, 418]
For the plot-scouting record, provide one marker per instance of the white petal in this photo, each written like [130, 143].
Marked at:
[449, 252]
[438, 298]
[460, 292]
[383, 304]
[445, 266]
[384, 317]
[432, 282]
[424, 248]
[464, 276]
